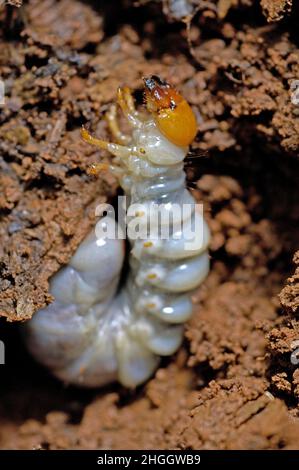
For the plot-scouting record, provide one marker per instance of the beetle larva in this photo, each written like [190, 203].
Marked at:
[95, 332]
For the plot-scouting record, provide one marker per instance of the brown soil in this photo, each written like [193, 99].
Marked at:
[232, 384]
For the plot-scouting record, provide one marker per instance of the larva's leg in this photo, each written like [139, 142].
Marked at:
[126, 103]
[96, 168]
[129, 100]
[120, 151]
[111, 117]
[116, 149]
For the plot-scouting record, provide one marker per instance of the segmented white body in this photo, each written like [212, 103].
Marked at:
[95, 333]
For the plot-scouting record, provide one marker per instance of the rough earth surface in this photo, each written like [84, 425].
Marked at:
[235, 381]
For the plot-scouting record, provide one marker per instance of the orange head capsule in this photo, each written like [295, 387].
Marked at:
[173, 115]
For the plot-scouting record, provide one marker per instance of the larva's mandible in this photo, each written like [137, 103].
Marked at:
[95, 332]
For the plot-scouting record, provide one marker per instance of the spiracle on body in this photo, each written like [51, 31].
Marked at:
[97, 331]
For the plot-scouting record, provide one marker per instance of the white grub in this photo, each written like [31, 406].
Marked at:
[96, 332]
